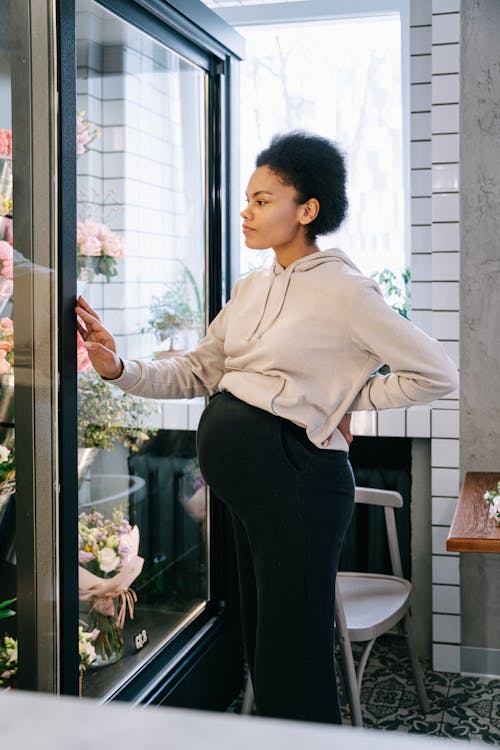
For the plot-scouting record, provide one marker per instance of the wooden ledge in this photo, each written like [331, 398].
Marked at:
[471, 529]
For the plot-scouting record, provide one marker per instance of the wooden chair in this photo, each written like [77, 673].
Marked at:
[370, 604]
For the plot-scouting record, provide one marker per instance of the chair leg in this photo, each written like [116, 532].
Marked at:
[350, 679]
[417, 669]
[362, 662]
[248, 698]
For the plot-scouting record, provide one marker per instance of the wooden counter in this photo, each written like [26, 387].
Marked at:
[471, 529]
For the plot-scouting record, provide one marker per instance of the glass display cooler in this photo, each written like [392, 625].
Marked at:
[117, 181]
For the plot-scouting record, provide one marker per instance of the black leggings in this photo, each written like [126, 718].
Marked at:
[290, 503]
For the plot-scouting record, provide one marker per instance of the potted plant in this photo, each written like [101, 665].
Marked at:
[107, 417]
[176, 312]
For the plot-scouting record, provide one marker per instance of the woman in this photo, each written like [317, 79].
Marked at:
[291, 354]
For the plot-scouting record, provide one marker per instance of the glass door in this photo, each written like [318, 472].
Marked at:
[8, 605]
[142, 266]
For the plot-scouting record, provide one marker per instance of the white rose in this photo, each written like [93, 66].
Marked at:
[4, 453]
[108, 560]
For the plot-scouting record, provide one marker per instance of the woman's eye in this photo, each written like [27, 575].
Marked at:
[261, 203]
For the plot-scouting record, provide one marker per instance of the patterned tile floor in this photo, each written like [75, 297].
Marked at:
[463, 708]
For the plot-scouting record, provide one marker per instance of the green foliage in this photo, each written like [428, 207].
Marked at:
[396, 292]
[180, 307]
[4, 611]
[107, 416]
[100, 265]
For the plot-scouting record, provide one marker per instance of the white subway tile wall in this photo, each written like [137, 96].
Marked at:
[445, 461]
[445, 657]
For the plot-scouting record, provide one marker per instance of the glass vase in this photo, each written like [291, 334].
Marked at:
[109, 643]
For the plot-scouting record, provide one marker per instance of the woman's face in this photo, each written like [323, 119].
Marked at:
[272, 215]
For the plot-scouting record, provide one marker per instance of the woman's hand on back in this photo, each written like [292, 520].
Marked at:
[98, 341]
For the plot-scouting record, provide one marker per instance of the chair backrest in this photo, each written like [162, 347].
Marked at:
[388, 499]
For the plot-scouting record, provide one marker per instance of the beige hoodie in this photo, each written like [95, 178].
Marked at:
[303, 342]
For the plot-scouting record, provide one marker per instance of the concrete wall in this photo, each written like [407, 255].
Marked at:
[480, 309]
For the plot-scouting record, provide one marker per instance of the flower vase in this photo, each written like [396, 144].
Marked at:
[109, 643]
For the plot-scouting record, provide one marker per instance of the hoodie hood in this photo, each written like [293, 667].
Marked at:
[279, 283]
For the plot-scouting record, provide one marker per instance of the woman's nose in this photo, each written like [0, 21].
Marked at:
[245, 212]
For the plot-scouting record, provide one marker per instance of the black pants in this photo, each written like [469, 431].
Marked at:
[290, 503]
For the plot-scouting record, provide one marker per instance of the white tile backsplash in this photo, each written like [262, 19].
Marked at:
[443, 510]
[421, 266]
[420, 13]
[445, 424]
[420, 97]
[439, 536]
[420, 68]
[364, 422]
[453, 350]
[445, 89]
[445, 482]
[391, 423]
[421, 295]
[421, 154]
[420, 126]
[421, 182]
[445, 58]
[445, 237]
[445, 569]
[445, 658]
[445, 266]
[418, 421]
[422, 319]
[421, 239]
[421, 210]
[444, 148]
[445, 295]
[445, 6]
[444, 118]
[445, 178]
[445, 325]
[420, 40]
[446, 628]
[445, 452]
[445, 207]
[446, 28]
[175, 415]
[446, 599]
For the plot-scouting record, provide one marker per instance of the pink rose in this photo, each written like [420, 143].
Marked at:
[4, 365]
[7, 265]
[82, 356]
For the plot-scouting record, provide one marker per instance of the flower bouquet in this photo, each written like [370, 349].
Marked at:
[109, 563]
[98, 250]
[6, 345]
[8, 660]
[86, 650]
[8, 648]
[492, 497]
[85, 134]
[7, 475]
[5, 172]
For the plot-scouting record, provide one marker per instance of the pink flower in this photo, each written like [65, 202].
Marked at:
[4, 365]
[83, 136]
[82, 356]
[6, 143]
[6, 230]
[84, 557]
[7, 265]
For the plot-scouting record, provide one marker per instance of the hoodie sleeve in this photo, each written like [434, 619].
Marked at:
[196, 373]
[421, 370]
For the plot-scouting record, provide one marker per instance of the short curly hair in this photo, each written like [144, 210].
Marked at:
[315, 167]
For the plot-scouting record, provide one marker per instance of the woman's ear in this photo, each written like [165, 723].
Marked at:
[309, 211]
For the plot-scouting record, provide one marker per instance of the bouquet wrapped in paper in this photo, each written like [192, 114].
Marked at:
[109, 563]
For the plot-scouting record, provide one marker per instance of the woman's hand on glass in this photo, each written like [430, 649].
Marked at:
[98, 341]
